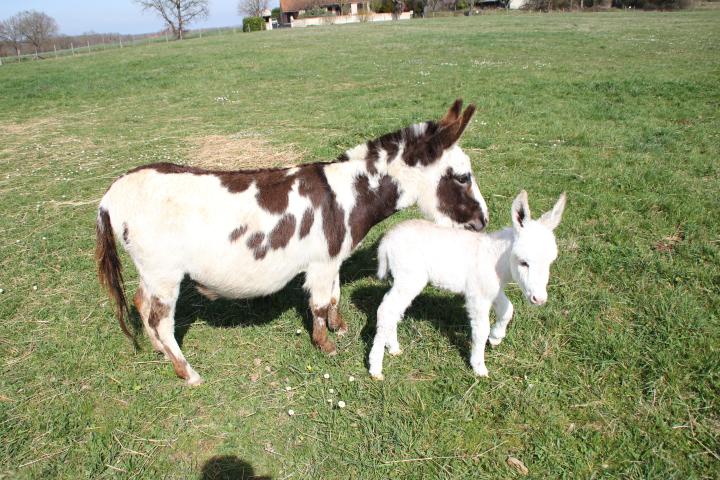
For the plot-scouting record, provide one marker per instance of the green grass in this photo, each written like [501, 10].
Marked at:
[617, 377]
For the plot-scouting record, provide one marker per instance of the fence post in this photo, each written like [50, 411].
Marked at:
[166, 38]
[36, 56]
[0, 61]
[55, 50]
[201, 33]
[120, 41]
[72, 48]
[88, 42]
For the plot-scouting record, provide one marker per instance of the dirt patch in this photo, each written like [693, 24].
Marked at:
[668, 244]
[31, 127]
[241, 152]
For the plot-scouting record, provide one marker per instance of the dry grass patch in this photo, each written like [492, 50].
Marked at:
[241, 152]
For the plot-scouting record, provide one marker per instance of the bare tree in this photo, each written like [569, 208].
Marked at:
[37, 27]
[252, 8]
[177, 14]
[11, 31]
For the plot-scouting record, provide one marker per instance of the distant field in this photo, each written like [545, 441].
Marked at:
[617, 377]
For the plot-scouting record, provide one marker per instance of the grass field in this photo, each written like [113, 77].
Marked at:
[618, 376]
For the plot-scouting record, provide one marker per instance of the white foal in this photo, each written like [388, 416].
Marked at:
[477, 265]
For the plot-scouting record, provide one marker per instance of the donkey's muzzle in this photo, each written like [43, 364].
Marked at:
[477, 224]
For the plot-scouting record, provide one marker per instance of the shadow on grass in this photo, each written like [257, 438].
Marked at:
[223, 313]
[446, 313]
[229, 467]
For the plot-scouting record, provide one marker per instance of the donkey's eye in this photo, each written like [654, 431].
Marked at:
[463, 178]
[524, 264]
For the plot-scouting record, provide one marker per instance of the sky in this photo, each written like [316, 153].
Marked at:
[116, 16]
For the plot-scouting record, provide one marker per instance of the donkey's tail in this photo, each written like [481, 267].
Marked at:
[110, 269]
[382, 260]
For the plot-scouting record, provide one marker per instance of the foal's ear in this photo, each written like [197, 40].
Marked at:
[453, 124]
[520, 211]
[552, 218]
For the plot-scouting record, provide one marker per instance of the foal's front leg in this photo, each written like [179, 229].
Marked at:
[319, 281]
[503, 314]
[479, 311]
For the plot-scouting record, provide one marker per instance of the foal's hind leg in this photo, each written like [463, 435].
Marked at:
[335, 320]
[161, 321]
[391, 310]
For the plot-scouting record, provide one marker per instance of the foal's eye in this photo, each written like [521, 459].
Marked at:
[463, 178]
[524, 264]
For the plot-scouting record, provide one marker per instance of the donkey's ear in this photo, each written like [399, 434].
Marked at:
[452, 115]
[552, 218]
[466, 117]
[451, 130]
[520, 211]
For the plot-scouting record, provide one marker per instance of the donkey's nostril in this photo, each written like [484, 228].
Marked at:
[476, 224]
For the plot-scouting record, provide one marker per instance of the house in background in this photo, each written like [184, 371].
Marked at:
[292, 9]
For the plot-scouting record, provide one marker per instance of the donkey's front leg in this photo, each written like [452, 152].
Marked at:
[479, 311]
[319, 279]
[335, 320]
[503, 314]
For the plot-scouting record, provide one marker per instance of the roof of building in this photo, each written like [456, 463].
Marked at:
[297, 5]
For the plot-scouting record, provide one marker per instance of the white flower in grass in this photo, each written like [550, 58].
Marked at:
[288, 388]
[332, 390]
[291, 412]
[326, 376]
[298, 331]
[34, 287]
[341, 404]
[351, 378]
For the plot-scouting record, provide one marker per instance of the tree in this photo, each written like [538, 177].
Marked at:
[11, 31]
[37, 27]
[177, 14]
[252, 8]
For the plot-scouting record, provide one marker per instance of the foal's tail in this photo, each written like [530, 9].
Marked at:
[382, 261]
[110, 269]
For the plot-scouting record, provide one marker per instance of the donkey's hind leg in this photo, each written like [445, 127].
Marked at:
[335, 320]
[161, 320]
[319, 279]
[142, 303]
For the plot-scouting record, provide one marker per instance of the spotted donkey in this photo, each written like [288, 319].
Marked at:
[247, 233]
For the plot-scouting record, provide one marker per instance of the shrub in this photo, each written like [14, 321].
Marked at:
[253, 24]
[381, 6]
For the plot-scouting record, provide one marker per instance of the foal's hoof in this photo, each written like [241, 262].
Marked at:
[195, 380]
[395, 352]
[377, 376]
[494, 341]
[481, 371]
[341, 331]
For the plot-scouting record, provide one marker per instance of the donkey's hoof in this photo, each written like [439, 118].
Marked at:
[195, 380]
[377, 376]
[395, 352]
[329, 348]
[341, 331]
